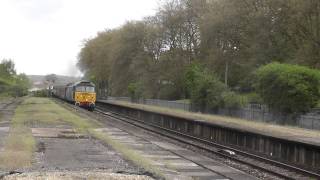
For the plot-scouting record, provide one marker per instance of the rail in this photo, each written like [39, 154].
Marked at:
[242, 156]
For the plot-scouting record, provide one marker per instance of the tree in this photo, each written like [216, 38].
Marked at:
[7, 69]
[205, 88]
[11, 83]
[21, 86]
[51, 78]
[232, 39]
[288, 88]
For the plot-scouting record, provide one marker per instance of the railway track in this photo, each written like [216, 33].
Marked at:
[218, 171]
[272, 167]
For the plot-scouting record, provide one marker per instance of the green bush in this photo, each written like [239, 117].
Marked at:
[207, 92]
[253, 98]
[204, 88]
[40, 93]
[288, 88]
[233, 100]
[135, 91]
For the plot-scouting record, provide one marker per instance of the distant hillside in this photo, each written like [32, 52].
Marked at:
[39, 81]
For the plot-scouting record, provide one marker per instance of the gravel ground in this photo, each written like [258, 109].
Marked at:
[75, 175]
[78, 154]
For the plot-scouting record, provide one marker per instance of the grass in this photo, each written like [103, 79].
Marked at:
[229, 121]
[19, 145]
[18, 149]
[44, 111]
[5, 98]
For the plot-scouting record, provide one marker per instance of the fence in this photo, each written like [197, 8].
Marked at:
[254, 112]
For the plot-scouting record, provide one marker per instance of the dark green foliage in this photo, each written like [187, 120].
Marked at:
[232, 100]
[135, 91]
[288, 88]
[204, 88]
[207, 92]
[40, 93]
[253, 97]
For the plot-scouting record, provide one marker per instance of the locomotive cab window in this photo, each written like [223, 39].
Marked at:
[85, 89]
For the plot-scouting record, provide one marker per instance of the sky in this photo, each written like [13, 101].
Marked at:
[45, 36]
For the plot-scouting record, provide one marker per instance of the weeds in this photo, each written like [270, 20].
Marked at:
[19, 145]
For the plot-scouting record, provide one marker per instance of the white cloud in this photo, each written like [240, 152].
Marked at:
[45, 36]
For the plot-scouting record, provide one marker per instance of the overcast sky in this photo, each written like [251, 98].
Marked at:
[45, 36]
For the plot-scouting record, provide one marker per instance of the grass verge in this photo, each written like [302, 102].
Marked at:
[19, 145]
[43, 111]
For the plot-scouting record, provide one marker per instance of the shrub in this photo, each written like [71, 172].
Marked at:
[135, 91]
[40, 93]
[233, 100]
[204, 87]
[253, 98]
[288, 88]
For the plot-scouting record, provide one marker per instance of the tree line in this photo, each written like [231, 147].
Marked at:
[11, 83]
[224, 42]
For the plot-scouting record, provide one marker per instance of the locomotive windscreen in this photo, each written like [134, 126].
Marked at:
[85, 89]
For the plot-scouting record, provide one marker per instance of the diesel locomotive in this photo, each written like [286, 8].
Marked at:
[81, 93]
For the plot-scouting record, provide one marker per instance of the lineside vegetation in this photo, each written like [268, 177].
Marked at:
[223, 42]
[19, 145]
[11, 83]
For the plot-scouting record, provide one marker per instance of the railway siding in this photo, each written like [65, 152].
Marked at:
[303, 151]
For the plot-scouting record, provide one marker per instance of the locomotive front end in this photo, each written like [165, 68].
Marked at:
[85, 95]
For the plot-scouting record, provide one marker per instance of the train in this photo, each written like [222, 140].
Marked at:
[81, 94]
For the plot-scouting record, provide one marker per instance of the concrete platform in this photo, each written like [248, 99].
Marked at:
[296, 146]
[307, 136]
